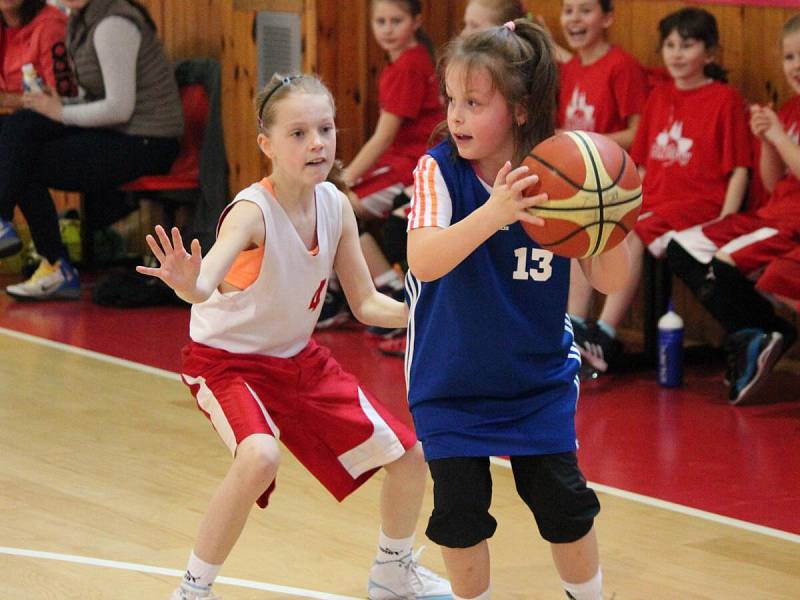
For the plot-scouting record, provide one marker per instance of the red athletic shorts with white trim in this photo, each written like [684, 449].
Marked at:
[656, 223]
[339, 432]
[377, 189]
[751, 241]
[782, 278]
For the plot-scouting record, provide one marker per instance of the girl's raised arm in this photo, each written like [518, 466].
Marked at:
[194, 279]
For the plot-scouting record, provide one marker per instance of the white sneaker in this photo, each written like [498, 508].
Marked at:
[404, 579]
[181, 594]
[49, 282]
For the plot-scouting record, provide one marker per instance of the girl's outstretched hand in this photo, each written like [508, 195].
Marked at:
[508, 202]
[178, 269]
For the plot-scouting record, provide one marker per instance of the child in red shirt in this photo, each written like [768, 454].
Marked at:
[33, 33]
[410, 109]
[692, 145]
[720, 260]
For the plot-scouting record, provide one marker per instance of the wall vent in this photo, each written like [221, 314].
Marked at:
[278, 44]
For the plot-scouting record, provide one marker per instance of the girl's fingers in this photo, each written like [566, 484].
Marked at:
[516, 174]
[162, 237]
[523, 184]
[531, 201]
[155, 248]
[177, 241]
[531, 219]
[502, 174]
[147, 271]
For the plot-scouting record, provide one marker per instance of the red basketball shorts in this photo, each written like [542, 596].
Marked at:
[751, 241]
[782, 278]
[657, 224]
[377, 189]
[340, 433]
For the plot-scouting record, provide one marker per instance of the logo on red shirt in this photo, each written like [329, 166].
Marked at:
[670, 146]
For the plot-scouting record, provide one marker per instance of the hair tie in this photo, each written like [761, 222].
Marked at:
[284, 81]
[510, 25]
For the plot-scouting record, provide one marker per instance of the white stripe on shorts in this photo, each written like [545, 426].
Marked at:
[759, 235]
[208, 402]
[381, 448]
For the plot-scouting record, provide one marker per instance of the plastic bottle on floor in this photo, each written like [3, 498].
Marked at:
[670, 349]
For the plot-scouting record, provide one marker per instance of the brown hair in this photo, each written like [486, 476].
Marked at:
[414, 8]
[278, 88]
[521, 64]
[504, 10]
[792, 24]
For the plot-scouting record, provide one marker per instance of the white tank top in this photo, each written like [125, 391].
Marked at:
[277, 313]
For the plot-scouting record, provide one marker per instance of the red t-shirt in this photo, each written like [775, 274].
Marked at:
[601, 96]
[689, 141]
[408, 88]
[41, 43]
[784, 202]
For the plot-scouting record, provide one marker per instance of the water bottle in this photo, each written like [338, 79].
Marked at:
[670, 349]
[31, 82]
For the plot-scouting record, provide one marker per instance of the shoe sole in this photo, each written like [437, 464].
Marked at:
[69, 295]
[766, 360]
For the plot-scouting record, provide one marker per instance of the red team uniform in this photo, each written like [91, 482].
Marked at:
[753, 239]
[253, 368]
[689, 142]
[603, 95]
[407, 88]
[40, 43]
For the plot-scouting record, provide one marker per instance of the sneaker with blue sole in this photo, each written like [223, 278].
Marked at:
[404, 579]
[754, 354]
[57, 281]
[10, 244]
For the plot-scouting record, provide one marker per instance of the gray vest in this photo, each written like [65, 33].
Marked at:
[157, 111]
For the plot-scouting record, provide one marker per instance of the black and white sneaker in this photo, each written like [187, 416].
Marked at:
[597, 348]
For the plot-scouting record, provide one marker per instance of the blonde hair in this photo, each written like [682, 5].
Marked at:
[503, 10]
[278, 88]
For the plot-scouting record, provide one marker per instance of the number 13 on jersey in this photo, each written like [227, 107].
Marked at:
[538, 267]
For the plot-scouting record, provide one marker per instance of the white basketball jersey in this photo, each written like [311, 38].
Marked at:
[277, 313]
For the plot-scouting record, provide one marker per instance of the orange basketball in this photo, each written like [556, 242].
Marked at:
[594, 193]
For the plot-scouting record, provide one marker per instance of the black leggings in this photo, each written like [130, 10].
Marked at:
[37, 153]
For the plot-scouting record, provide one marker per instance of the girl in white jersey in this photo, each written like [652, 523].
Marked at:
[252, 366]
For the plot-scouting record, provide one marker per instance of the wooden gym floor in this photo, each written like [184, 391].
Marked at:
[106, 467]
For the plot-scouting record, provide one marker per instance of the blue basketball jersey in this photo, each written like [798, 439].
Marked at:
[490, 367]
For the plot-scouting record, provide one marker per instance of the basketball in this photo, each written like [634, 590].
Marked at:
[594, 193]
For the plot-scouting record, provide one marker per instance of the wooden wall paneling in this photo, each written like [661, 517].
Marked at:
[239, 79]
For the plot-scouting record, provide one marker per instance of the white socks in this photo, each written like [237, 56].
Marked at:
[484, 596]
[589, 590]
[199, 575]
[392, 549]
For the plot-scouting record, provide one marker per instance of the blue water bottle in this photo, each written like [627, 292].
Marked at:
[670, 349]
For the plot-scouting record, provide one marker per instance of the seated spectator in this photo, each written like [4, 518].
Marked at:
[32, 32]
[720, 260]
[410, 108]
[693, 147]
[128, 125]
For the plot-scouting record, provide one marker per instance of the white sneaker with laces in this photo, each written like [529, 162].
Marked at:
[181, 594]
[403, 579]
[50, 281]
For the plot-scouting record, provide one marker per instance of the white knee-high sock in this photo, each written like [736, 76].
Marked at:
[588, 590]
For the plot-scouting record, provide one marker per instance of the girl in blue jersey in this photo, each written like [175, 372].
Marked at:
[491, 365]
